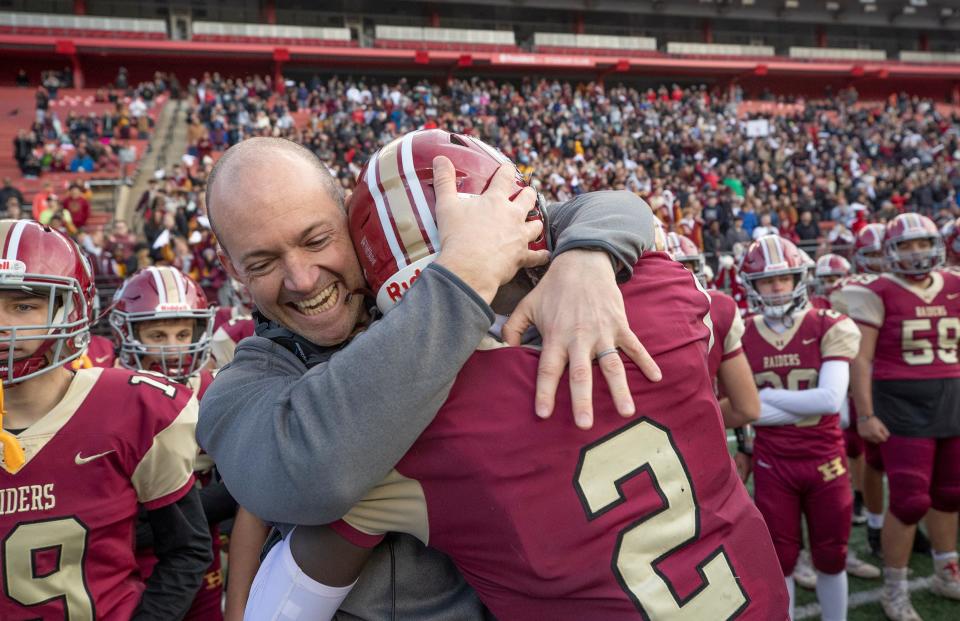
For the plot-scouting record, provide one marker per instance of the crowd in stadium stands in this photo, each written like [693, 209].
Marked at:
[89, 142]
[685, 150]
[814, 174]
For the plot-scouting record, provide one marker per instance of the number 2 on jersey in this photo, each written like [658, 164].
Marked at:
[605, 465]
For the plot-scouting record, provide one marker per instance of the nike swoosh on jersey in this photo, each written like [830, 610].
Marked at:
[763, 464]
[79, 460]
[808, 341]
[952, 296]
[100, 359]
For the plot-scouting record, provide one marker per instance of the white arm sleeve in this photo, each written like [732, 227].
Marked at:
[282, 592]
[772, 416]
[827, 398]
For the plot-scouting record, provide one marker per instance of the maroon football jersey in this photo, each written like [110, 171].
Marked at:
[636, 518]
[792, 360]
[100, 353]
[727, 330]
[225, 314]
[818, 302]
[225, 339]
[918, 328]
[116, 440]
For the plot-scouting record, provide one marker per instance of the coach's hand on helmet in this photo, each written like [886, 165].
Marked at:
[578, 310]
[484, 239]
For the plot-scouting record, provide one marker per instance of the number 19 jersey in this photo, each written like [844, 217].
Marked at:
[639, 518]
[67, 517]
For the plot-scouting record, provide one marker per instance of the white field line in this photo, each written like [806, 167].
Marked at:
[860, 598]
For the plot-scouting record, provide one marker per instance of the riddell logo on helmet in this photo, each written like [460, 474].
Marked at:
[12, 266]
[397, 288]
[173, 307]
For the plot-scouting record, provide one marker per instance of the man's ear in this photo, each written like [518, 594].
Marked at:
[228, 265]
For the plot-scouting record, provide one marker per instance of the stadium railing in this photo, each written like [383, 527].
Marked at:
[929, 57]
[563, 43]
[388, 36]
[719, 49]
[81, 26]
[835, 53]
[222, 32]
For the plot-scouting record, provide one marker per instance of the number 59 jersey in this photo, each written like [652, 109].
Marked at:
[117, 439]
[638, 518]
[918, 328]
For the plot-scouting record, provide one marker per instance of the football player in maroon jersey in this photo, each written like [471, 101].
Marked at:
[829, 271]
[81, 452]
[654, 524]
[800, 359]
[906, 385]
[728, 366]
[163, 323]
[229, 328]
[868, 259]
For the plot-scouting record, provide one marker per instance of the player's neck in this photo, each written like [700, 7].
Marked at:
[31, 400]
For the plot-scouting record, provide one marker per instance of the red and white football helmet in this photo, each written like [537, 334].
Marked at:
[684, 250]
[40, 261]
[391, 211]
[162, 293]
[951, 239]
[913, 265]
[772, 255]
[868, 255]
[829, 270]
[240, 295]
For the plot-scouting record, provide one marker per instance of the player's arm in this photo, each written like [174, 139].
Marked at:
[742, 402]
[218, 504]
[279, 432]
[861, 372]
[246, 543]
[181, 543]
[303, 572]
[824, 400]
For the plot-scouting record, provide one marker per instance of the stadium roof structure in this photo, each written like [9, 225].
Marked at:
[898, 13]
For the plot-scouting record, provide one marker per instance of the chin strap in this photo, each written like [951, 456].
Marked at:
[13, 456]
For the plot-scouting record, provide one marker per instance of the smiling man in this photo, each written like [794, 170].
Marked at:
[312, 413]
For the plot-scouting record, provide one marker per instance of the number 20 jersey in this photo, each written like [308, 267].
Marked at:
[639, 518]
[792, 360]
[67, 517]
[918, 328]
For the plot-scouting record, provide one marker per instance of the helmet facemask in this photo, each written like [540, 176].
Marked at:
[63, 339]
[780, 305]
[914, 265]
[177, 362]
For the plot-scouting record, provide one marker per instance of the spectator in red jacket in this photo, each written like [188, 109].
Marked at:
[77, 205]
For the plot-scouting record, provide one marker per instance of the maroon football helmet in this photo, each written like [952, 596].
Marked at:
[772, 255]
[685, 251]
[868, 255]
[391, 211]
[918, 264]
[44, 263]
[951, 239]
[829, 270]
[161, 293]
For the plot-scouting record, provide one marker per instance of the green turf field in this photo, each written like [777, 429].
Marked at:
[865, 594]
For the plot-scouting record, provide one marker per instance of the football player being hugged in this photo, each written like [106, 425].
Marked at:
[800, 357]
[906, 386]
[82, 451]
[163, 324]
[647, 518]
